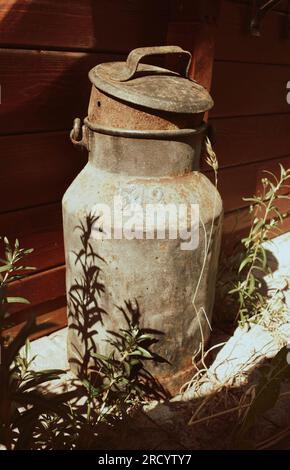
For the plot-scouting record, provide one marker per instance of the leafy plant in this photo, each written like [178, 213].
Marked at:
[20, 403]
[240, 286]
[240, 282]
[121, 383]
[11, 271]
[239, 290]
[266, 221]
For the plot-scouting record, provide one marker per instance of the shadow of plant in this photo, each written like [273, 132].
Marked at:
[84, 294]
[119, 380]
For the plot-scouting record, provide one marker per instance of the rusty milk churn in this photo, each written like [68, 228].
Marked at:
[144, 133]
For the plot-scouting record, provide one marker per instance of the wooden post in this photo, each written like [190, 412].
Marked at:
[193, 25]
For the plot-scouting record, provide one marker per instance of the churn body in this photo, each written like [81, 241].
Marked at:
[144, 133]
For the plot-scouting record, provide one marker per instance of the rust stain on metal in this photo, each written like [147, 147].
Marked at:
[111, 112]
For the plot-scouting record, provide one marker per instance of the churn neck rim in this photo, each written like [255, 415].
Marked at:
[151, 86]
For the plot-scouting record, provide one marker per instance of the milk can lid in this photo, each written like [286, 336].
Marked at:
[151, 86]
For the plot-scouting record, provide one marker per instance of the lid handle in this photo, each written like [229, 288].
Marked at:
[136, 55]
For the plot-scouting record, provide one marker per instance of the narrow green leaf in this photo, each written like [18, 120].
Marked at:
[6, 267]
[17, 300]
[244, 263]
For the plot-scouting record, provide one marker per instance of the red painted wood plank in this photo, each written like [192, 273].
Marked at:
[240, 89]
[36, 169]
[44, 90]
[250, 138]
[39, 228]
[105, 25]
[51, 315]
[206, 11]
[39, 288]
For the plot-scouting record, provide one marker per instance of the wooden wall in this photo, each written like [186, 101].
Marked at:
[46, 50]
[251, 117]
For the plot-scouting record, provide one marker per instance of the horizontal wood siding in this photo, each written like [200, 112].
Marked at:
[44, 90]
[243, 89]
[239, 140]
[251, 117]
[43, 166]
[39, 228]
[102, 25]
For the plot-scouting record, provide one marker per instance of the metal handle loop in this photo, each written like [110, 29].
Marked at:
[138, 54]
[78, 134]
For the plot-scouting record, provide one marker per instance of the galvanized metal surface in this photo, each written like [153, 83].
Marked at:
[156, 273]
[151, 86]
[146, 157]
